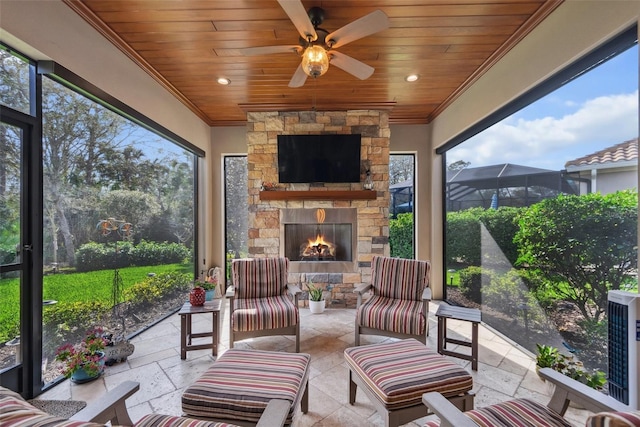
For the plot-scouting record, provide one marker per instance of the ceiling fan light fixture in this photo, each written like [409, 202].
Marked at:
[315, 61]
[223, 81]
[412, 77]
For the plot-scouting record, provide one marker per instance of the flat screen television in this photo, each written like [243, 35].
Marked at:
[318, 158]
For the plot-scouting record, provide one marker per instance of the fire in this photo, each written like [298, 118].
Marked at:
[318, 248]
[318, 241]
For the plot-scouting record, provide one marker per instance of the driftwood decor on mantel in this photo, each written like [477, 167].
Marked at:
[319, 195]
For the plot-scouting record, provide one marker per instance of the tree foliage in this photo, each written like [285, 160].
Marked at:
[400, 168]
[583, 245]
[237, 204]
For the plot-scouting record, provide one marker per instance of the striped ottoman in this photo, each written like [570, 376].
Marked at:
[395, 375]
[240, 384]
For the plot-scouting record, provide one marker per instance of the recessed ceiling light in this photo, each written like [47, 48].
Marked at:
[412, 77]
[223, 81]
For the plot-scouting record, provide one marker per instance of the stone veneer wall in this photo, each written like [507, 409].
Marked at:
[373, 215]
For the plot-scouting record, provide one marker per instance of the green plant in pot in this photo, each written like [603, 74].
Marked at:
[316, 300]
[209, 283]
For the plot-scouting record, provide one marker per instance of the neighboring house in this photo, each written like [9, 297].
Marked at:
[610, 169]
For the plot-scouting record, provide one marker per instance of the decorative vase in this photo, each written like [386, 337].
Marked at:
[316, 307]
[209, 294]
[81, 376]
[197, 296]
[368, 182]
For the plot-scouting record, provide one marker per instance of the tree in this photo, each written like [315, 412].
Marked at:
[237, 203]
[583, 245]
[74, 128]
[400, 168]
[136, 207]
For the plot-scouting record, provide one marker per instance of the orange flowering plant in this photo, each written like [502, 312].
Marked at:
[86, 355]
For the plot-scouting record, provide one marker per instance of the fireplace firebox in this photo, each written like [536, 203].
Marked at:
[319, 240]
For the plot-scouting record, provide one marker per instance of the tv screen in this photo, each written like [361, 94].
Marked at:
[318, 158]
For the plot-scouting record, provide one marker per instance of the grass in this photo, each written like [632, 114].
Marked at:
[73, 287]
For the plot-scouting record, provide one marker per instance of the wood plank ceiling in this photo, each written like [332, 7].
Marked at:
[187, 45]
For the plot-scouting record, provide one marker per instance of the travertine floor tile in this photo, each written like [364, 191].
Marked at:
[505, 371]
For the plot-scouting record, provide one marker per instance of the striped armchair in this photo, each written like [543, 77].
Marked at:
[608, 412]
[261, 301]
[399, 306]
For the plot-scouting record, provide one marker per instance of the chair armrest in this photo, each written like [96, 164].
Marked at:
[568, 389]
[231, 292]
[293, 290]
[275, 414]
[449, 415]
[426, 294]
[110, 407]
[362, 288]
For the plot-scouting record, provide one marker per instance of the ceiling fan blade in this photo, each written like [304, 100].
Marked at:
[365, 26]
[299, 77]
[266, 50]
[298, 15]
[350, 65]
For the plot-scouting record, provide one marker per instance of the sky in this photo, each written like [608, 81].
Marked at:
[597, 110]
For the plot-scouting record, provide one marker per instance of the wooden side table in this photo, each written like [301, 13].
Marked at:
[472, 315]
[186, 335]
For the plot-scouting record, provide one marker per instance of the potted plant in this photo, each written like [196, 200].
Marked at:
[209, 283]
[83, 362]
[316, 300]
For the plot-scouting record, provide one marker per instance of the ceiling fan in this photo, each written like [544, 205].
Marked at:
[317, 44]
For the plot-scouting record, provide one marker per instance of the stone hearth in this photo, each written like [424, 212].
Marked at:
[371, 237]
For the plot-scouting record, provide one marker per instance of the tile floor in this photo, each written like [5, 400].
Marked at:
[504, 371]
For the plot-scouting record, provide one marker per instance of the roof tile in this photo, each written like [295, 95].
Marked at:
[625, 151]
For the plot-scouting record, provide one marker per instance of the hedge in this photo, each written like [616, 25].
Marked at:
[99, 256]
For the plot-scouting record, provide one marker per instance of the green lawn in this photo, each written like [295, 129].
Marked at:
[73, 287]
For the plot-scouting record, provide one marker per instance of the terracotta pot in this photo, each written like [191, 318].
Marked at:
[197, 296]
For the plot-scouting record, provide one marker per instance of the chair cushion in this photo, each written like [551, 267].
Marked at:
[15, 412]
[387, 314]
[614, 419]
[264, 313]
[240, 384]
[400, 372]
[398, 278]
[260, 277]
[156, 420]
[513, 413]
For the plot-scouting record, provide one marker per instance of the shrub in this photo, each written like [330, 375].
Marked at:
[401, 236]
[69, 320]
[100, 256]
[585, 245]
[472, 280]
[506, 292]
[153, 253]
[464, 235]
[154, 288]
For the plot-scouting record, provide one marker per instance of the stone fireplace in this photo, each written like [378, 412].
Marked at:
[319, 240]
[341, 226]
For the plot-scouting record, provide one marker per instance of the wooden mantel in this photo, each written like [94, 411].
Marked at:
[319, 195]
